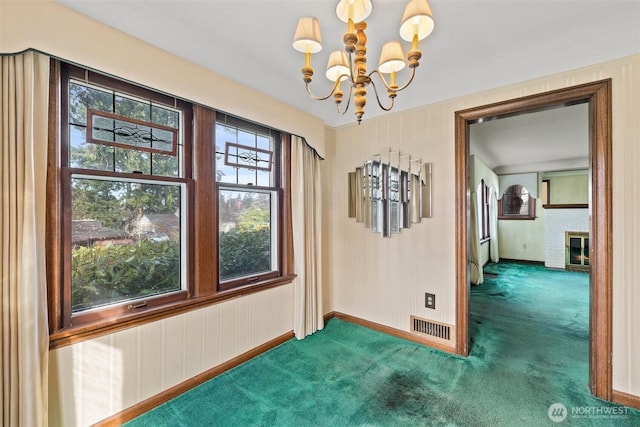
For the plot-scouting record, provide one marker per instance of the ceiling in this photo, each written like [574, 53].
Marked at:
[551, 140]
[476, 45]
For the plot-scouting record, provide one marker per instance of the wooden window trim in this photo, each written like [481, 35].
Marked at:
[201, 273]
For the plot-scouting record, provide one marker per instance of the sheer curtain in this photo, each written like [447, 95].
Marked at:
[307, 238]
[23, 165]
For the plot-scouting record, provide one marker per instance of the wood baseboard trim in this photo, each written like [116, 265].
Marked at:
[625, 399]
[166, 395]
[393, 331]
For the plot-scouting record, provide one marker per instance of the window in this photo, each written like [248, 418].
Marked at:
[248, 201]
[133, 232]
[516, 203]
[484, 194]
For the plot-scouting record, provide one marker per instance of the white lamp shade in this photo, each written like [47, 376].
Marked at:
[337, 66]
[417, 19]
[391, 58]
[307, 37]
[357, 10]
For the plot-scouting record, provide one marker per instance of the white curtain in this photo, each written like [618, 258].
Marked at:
[307, 238]
[475, 262]
[23, 165]
[494, 246]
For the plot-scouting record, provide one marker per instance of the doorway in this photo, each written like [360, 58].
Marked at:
[598, 96]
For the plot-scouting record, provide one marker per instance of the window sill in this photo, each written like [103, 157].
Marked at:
[86, 331]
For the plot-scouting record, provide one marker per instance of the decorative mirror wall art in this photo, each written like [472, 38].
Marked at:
[390, 192]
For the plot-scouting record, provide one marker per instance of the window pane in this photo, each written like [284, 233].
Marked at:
[87, 155]
[516, 201]
[246, 231]
[95, 150]
[163, 116]
[263, 142]
[243, 157]
[82, 97]
[132, 161]
[126, 241]
[133, 108]
[246, 138]
[166, 165]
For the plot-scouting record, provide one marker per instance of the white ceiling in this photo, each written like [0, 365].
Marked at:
[476, 44]
[550, 140]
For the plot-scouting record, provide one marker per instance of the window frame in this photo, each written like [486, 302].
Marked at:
[531, 211]
[276, 160]
[201, 289]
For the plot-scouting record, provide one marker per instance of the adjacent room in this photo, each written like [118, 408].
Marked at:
[358, 212]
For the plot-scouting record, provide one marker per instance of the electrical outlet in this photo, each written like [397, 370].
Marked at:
[430, 300]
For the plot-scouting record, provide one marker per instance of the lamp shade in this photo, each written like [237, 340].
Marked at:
[357, 10]
[417, 19]
[337, 65]
[307, 37]
[391, 58]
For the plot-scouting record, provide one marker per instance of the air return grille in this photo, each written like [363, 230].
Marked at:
[431, 328]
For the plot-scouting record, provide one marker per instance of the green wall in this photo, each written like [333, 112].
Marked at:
[568, 187]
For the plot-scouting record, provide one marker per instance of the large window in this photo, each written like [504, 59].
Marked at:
[127, 205]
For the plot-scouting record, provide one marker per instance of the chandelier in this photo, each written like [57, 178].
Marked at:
[350, 65]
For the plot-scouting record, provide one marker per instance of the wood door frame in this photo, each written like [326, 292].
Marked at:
[598, 95]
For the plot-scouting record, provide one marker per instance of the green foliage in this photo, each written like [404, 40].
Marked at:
[103, 275]
[118, 204]
[244, 252]
[254, 219]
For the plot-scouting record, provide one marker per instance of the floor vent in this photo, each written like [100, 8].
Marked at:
[431, 328]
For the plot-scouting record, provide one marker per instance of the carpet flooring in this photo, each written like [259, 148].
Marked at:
[528, 366]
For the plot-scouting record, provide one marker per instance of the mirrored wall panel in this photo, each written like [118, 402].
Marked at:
[390, 192]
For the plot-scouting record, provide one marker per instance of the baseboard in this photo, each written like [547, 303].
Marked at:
[522, 261]
[393, 331]
[166, 395]
[625, 399]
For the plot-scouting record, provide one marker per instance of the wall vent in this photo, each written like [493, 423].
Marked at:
[431, 328]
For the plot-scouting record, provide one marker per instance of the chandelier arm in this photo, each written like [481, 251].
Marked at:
[348, 102]
[322, 98]
[375, 91]
[381, 77]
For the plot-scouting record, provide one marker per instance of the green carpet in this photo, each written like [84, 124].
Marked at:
[529, 331]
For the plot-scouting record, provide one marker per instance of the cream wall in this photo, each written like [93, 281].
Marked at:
[522, 239]
[94, 379]
[384, 280]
